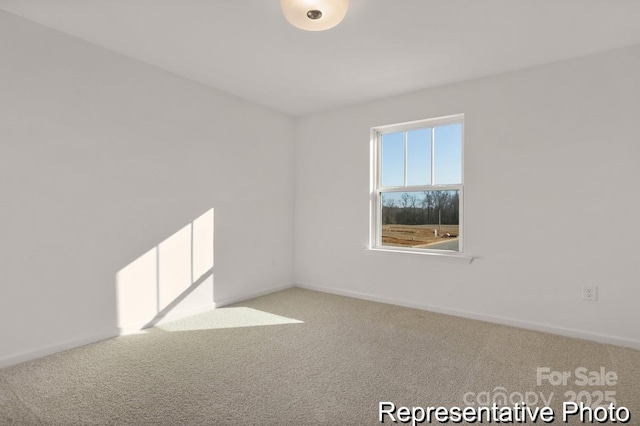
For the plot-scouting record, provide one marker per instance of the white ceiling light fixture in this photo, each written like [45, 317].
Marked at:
[314, 15]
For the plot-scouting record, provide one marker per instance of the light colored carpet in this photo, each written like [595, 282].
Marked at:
[299, 357]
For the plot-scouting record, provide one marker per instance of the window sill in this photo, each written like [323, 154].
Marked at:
[446, 257]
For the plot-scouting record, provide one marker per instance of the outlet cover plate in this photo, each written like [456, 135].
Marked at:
[590, 293]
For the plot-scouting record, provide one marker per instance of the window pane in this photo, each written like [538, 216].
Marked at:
[419, 157]
[393, 159]
[424, 219]
[448, 154]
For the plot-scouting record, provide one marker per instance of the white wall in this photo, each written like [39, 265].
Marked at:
[551, 200]
[102, 158]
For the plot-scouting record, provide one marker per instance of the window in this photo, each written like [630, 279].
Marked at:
[417, 186]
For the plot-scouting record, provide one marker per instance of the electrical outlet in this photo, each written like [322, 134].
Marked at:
[590, 293]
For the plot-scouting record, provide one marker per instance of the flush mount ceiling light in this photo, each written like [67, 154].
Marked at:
[314, 15]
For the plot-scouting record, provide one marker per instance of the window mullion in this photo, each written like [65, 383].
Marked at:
[378, 200]
[406, 161]
[433, 155]
[418, 188]
[378, 155]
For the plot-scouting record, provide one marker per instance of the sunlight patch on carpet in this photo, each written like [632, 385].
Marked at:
[227, 318]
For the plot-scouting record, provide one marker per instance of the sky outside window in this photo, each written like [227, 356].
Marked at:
[448, 154]
[419, 157]
[393, 159]
[447, 161]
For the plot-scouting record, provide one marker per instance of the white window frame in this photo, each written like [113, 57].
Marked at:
[376, 188]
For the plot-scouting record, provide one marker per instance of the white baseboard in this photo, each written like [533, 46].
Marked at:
[172, 316]
[55, 348]
[241, 298]
[76, 343]
[161, 319]
[136, 328]
[600, 338]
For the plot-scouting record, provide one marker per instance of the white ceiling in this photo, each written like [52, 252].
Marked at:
[382, 48]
